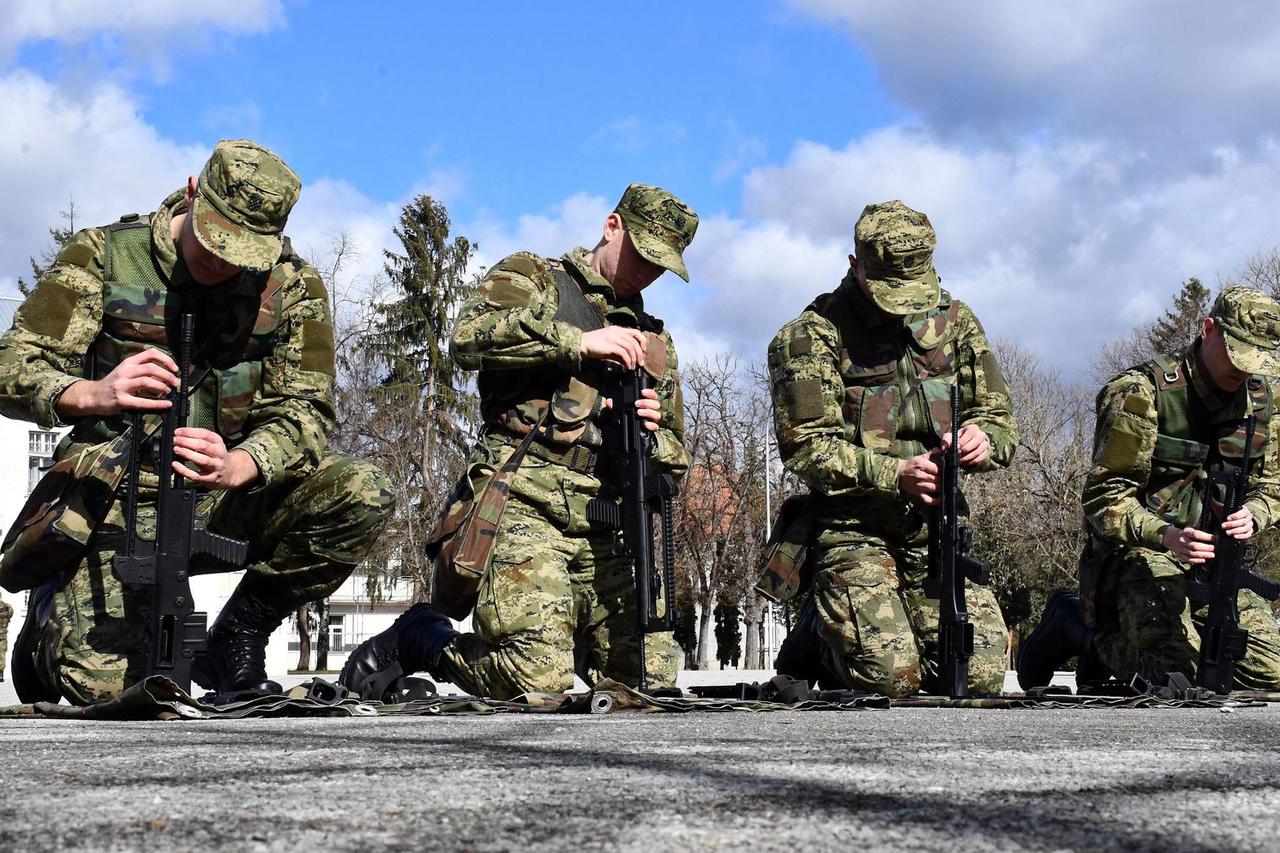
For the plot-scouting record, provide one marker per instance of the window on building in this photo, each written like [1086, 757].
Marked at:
[335, 634]
[40, 445]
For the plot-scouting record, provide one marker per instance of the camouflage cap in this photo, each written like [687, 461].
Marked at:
[894, 245]
[1250, 322]
[244, 197]
[661, 226]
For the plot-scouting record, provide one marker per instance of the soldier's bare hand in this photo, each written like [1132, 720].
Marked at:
[1188, 544]
[135, 383]
[1240, 524]
[615, 342]
[974, 445]
[208, 460]
[648, 408]
[919, 477]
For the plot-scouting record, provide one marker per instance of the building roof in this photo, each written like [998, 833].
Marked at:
[8, 306]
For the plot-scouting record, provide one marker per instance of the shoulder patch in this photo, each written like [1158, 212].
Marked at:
[801, 345]
[318, 348]
[804, 399]
[1136, 404]
[504, 292]
[48, 310]
[315, 287]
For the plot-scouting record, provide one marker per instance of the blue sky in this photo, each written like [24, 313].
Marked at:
[1078, 163]
[520, 103]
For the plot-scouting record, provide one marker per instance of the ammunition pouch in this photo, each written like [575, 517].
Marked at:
[785, 572]
[54, 527]
[461, 546]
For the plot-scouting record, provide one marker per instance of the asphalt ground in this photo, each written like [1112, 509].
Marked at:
[906, 779]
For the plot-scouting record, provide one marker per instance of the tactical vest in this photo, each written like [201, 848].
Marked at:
[1179, 464]
[236, 326]
[515, 400]
[897, 376]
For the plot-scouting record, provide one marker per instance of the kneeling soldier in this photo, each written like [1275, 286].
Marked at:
[861, 390]
[96, 339]
[1163, 427]
[557, 594]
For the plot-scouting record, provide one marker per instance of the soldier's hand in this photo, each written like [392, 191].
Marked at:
[1188, 544]
[919, 477]
[648, 408]
[1240, 524]
[974, 445]
[209, 461]
[135, 383]
[615, 342]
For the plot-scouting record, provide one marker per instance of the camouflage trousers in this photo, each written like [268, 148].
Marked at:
[1146, 624]
[879, 631]
[305, 536]
[555, 600]
[6, 613]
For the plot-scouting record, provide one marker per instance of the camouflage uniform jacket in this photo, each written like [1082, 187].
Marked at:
[856, 392]
[529, 359]
[269, 344]
[1143, 477]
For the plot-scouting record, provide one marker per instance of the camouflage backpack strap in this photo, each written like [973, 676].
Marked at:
[461, 546]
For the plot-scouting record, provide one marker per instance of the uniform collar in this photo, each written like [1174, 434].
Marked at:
[867, 312]
[163, 249]
[626, 312]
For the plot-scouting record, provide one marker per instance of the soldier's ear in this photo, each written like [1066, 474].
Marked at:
[192, 187]
[1207, 325]
[613, 227]
[853, 264]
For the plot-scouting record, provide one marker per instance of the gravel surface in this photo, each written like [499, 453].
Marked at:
[928, 779]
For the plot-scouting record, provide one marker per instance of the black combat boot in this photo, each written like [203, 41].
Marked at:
[412, 644]
[801, 653]
[234, 663]
[1061, 635]
[27, 682]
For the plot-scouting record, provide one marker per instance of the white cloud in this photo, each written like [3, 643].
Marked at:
[1058, 247]
[1162, 72]
[155, 27]
[93, 147]
[576, 221]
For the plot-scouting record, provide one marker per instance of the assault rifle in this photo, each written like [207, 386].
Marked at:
[950, 566]
[645, 494]
[176, 631]
[1219, 580]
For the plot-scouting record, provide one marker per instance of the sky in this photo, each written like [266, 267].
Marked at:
[1078, 163]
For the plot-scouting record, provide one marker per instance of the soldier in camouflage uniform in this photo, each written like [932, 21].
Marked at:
[861, 389]
[97, 338]
[1163, 426]
[557, 597]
